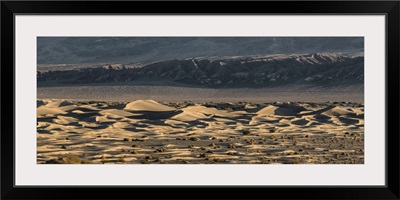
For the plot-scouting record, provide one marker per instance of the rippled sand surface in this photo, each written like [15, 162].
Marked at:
[147, 132]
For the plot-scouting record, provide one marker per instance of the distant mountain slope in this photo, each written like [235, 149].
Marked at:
[319, 69]
[145, 50]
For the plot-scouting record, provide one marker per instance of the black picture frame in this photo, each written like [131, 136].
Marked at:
[11, 8]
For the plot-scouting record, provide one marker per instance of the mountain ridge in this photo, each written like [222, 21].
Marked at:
[317, 69]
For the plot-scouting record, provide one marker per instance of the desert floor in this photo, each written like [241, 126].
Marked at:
[146, 131]
[179, 93]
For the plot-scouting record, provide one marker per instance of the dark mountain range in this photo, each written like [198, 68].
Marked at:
[319, 69]
[146, 50]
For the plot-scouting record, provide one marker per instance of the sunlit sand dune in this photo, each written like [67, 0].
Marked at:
[147, 105]
[147, 131]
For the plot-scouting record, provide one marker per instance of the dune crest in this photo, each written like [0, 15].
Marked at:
[337, 111]
[284, 110]
[58, 103]
[147, 105]
[44, 110]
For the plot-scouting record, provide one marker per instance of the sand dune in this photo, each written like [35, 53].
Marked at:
[336, 111]
[58, 103]
[44, 110]
[147, 105]
[284, 110]
[197, 112]
[146, 131]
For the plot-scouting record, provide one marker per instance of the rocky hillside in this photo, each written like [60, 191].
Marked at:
[319, 69]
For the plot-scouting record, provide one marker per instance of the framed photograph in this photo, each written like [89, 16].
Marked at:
[282, 100]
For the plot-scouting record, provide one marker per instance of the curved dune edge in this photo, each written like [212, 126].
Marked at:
[147, 105]
[43, 110]
[147, 131]
[193, 113]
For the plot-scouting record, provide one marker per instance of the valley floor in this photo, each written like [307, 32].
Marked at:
[179, 93]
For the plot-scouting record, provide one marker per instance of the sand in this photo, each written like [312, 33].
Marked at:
[151, 132]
